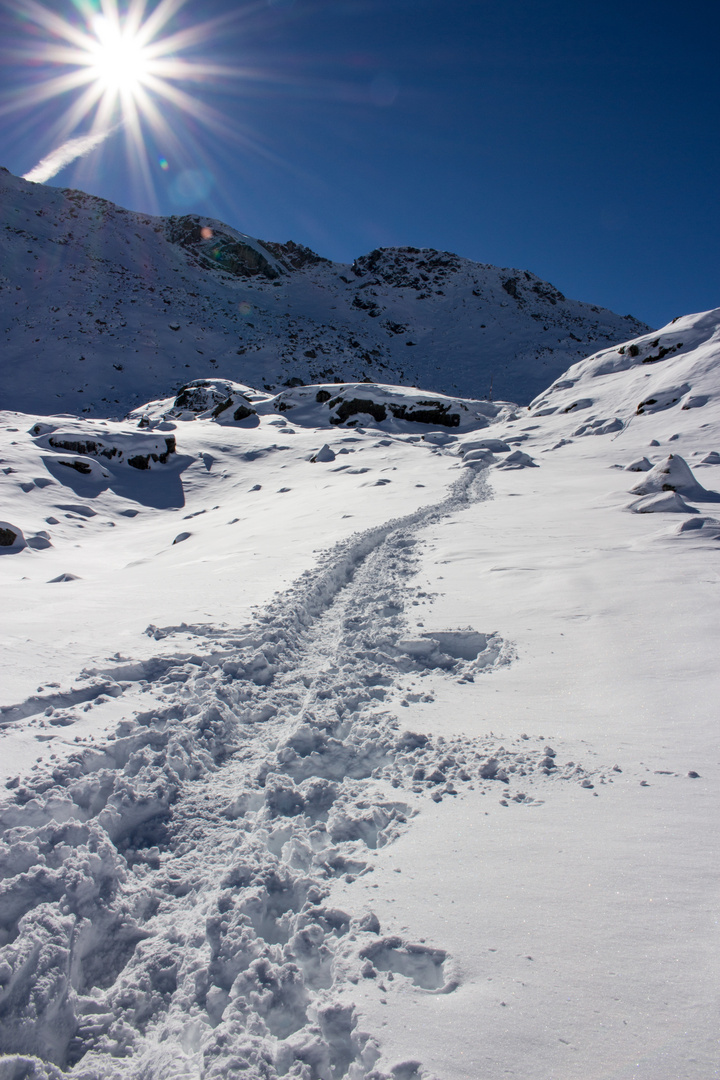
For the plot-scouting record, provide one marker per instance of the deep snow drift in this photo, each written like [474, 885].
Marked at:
[364, 732]
[103, 309]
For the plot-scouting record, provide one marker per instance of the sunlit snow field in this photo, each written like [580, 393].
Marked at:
[369, 751]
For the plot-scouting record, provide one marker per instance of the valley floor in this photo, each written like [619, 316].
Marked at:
[443, 805]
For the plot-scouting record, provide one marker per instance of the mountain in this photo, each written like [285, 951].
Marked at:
[126, 307]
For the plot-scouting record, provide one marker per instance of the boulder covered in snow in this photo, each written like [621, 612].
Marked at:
[672, 474]
[11, 538]
[77, 443]
[212, 399]
[517, 460]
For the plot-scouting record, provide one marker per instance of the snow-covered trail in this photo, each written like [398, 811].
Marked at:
[164, 905]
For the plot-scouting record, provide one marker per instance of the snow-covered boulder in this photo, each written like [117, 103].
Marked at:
[212, 399]
[498, 446]
[79, 442]
[479, 457]
[517, 460]
[11, 538]
[324, 454]
[672, 474]
[82, 466]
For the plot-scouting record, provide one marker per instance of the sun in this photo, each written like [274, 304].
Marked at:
[119, 62]
[127, 64]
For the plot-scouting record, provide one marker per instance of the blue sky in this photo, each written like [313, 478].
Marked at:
[579, 141]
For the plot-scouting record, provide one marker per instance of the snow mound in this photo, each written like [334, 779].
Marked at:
[439, 438]
[85, 467]
[710, 527]
[672, 474]
[11, 538]
[666, 502]
[497, 446]
[517, 460]
[600, 427]
[104, 442]
[475, 458]
[324, 454]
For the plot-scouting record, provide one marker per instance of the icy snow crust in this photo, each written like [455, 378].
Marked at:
[423, 803]
[127, 307]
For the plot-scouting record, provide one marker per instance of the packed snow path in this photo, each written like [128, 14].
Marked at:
[164, 909]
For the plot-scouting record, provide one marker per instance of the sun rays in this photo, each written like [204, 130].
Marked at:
[118, 68]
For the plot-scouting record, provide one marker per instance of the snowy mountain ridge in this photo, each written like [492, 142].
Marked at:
[129, 307]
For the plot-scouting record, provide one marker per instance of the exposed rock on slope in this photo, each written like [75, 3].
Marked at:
[348, 404]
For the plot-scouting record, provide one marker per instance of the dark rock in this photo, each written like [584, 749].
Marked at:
[219, 250]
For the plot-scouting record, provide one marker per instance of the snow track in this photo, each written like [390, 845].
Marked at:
[164, 907]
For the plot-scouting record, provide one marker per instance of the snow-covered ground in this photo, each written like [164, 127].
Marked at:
[347, 745]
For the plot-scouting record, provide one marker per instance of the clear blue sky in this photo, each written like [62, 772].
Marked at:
[576, 140]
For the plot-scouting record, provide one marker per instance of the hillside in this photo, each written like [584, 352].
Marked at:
[102, 309]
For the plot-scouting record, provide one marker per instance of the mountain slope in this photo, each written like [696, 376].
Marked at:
[126, 307]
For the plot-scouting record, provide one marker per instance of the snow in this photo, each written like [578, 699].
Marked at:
[365, 734]
[125, 306]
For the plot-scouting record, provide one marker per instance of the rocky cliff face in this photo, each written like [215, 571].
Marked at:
[102, 308]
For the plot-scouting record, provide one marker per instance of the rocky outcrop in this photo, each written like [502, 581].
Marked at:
[214, 246]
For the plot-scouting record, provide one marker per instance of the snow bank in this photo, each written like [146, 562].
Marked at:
[670, 371]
